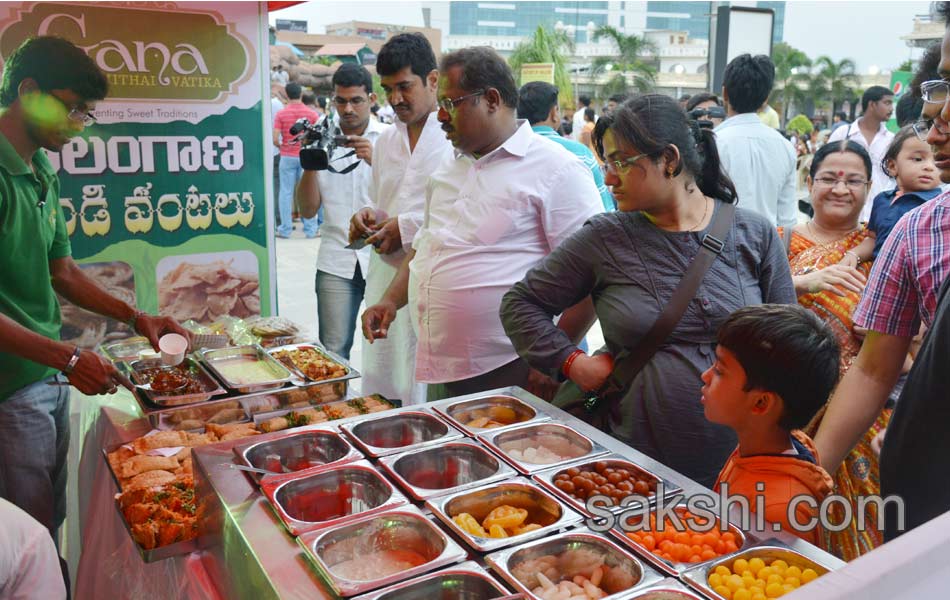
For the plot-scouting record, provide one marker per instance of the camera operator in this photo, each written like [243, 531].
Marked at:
[706, 109]
[340, 275]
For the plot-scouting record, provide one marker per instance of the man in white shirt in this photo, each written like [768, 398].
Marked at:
[756, 157]
[404, 158]
[870, 131]
[342, 191]
[503, 201]
[28, 559]
[577, 124]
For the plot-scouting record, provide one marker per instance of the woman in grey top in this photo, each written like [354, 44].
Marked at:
[667, 180]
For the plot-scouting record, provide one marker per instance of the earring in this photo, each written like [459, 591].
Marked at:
[669, 173]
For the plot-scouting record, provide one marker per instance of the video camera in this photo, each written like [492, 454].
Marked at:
[703, 115]
[317, 143]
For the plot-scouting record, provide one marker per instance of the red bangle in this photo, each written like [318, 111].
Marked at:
[566, 367]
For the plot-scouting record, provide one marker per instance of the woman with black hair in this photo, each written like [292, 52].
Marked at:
[669, 185]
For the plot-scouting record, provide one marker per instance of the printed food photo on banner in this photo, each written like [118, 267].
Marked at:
[205, 287]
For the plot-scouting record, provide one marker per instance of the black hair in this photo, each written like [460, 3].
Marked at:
[322, 102]
[842, 146]
[483, 68]
[748, 81]
[406, 50]
[293, 90]
[788, 350]
[583, 100]
[308, 98]
[874, 94]
[685, 98]
[897, 143]
[908, 109]
[927, 68]
[353, 75]
[618, 98]
[535, 100]
[841, 115]
[590, 114]
[943, 12]
[652, 123]
[697, 99]
[55, 64]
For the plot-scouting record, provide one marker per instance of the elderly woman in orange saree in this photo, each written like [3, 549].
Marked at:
[829, 279]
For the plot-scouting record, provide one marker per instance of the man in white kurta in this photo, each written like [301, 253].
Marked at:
[403, 159]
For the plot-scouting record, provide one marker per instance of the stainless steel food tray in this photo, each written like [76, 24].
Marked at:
[573, 445]
[542, 508]
[297, 451]
[675, 567]
[440, 470]
[383, 434]
[404, 529]
[301, 379]
[546, 479]
[281, 375]
[460, 412]
[803, 554]
[220, 411]
[667, 589]
[209, 384]
[504, 562]
[465, 581]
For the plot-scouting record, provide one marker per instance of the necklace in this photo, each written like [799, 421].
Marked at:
[817, 239]
[698, 225]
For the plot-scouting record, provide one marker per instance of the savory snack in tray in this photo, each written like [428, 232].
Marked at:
[489, 418]
[171, 381]
[158, 516]
[311, 362]
[579, 574]
[327, 412]
[502, 522]
[756, 578]
[580, 483]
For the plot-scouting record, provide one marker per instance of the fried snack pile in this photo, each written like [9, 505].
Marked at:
[326, 412]
[162, 516]
[311, 362]
[502, 522]
[491, 417]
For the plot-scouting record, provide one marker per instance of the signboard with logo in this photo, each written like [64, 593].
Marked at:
[164, 197]
[900, 85]
[288, 25]
[537, 72]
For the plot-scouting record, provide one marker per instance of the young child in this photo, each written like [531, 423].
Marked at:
[775, 366]
[910, 161]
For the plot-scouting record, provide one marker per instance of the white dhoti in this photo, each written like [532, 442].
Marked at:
[389, 365]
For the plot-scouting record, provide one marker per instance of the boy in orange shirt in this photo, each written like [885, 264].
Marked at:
[775, 366]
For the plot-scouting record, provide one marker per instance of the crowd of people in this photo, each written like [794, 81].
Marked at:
[745, 344]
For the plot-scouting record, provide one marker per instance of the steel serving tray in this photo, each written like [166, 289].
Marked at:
[466, 581]
[443, 469]
[506, 409]
[543, 509]
[127, 350]
[210, 386]
[667, 589]
[330, 497]
[614, 461]
[405, 531]
[508, 563]
[223, 411]
[300, 378]
[385, 434]
[554, 437]
[279, 374]
[302, 451]
[805, 556]
[162, 552]
[677, 568]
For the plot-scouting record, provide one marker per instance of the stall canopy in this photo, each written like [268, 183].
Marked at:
[272, 6]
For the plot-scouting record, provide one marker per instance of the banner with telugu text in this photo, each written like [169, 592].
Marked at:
[165, 196]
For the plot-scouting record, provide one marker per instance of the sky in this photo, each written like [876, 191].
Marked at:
[817, 28]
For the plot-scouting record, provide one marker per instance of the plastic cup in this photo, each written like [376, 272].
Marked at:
[172, 347]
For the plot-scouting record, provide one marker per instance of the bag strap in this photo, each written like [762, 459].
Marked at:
[787, 239]
[627, 367]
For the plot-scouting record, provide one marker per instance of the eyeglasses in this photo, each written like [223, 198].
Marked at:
[923, 126]
[356, 101]
[615, 167]
[852, 184]
[935, 91]
[449, 104]
[76, 114]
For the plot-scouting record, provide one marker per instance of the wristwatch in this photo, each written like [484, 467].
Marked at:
[72, 361]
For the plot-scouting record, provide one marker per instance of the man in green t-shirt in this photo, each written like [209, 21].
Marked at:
[47, 94]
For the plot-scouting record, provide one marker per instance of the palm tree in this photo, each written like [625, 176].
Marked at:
[790, 76]
[839, 79]
[628, 62]
[546, 46]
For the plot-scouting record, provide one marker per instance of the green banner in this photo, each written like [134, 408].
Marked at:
[900, 83]
[166, 197]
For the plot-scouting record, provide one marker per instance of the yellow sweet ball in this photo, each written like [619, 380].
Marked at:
[742, 595]
[793, 571]
[723, 570]
[795, 582]
[774, 578]
[724, 592]
[740, 565]
[779, 565]
[759, 596]
[715, 580]
[747, 573]
[764, 573]
[788, 589]
[734, 582]
[760, 584]
[756, 565]
[809, 575]
[774, 590]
